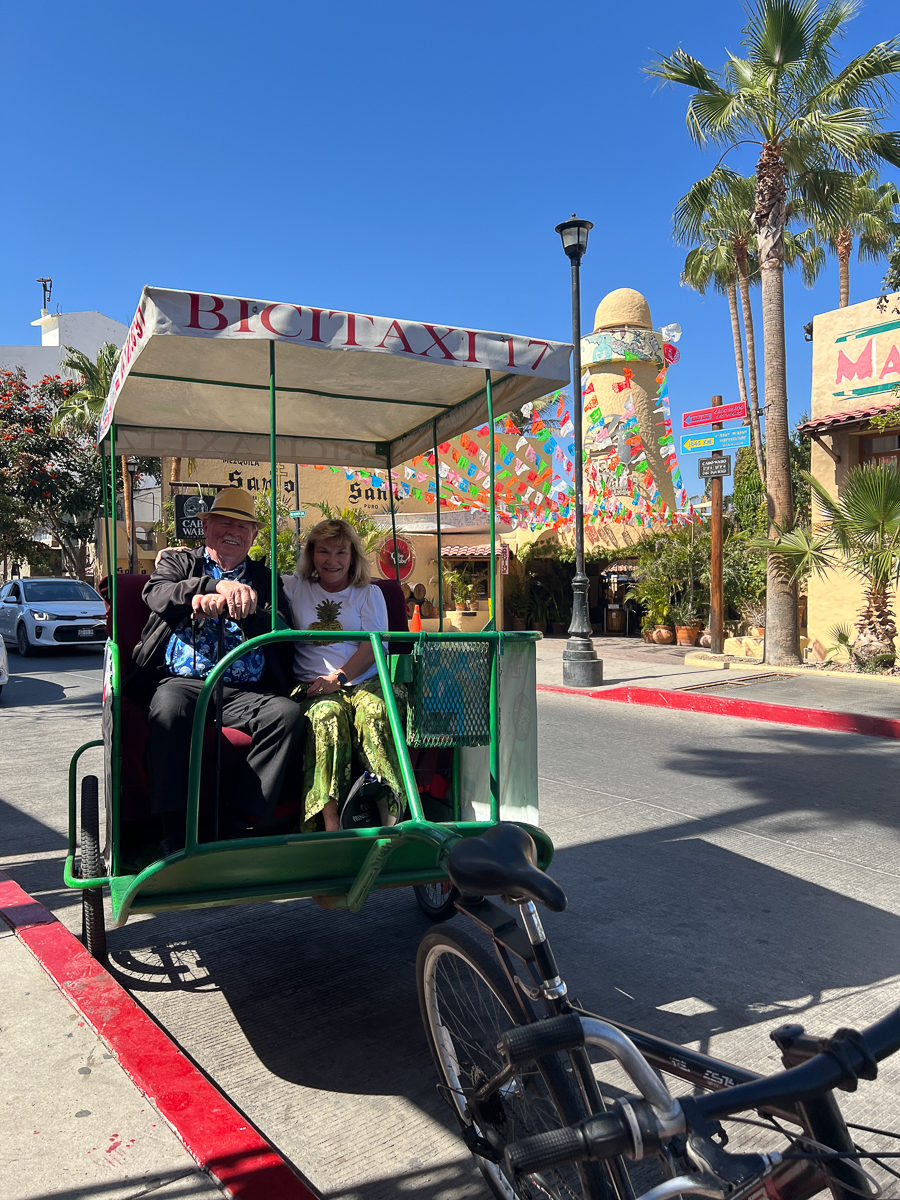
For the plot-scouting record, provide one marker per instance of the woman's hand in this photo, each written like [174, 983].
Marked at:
[324, 685]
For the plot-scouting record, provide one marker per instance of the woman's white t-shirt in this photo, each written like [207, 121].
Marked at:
[358, 608]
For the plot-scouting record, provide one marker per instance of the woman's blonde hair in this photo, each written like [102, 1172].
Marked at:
[344, 534]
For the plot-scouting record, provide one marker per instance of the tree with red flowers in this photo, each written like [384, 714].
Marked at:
[48, 480]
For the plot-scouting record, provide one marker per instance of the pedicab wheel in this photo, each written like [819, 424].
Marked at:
[436, 900]
[93, 924]
[467, 1004]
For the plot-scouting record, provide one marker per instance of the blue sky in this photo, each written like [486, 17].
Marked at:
[401, 159]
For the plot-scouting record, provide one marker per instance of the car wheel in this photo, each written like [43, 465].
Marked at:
[25, 647]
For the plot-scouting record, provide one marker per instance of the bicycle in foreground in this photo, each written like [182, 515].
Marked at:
[511, 1052]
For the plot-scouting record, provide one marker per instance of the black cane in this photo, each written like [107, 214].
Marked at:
[220, 687]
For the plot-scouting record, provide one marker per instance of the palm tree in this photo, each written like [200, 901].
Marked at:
[716, 213]
[810, 123]
[82, 410]
[861, 534]
[871, 217]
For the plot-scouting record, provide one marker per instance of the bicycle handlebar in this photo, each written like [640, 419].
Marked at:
[845, 1058]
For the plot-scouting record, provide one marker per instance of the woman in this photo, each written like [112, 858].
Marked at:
[339, 690]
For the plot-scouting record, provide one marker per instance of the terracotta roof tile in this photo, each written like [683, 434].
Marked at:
[847, 417]
[468, 551]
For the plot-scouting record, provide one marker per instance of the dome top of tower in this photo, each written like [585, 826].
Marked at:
[624, 306]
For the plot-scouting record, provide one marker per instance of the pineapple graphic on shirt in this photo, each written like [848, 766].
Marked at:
[327, 612]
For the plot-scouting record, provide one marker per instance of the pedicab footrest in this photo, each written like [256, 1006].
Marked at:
[449, 698]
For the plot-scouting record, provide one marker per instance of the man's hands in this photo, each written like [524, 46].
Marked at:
[324, 685]
[238, 598]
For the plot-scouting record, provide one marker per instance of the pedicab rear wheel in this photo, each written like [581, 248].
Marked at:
[437, 900]
[93, 923]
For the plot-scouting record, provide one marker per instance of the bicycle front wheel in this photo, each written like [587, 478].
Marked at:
[467, 1004]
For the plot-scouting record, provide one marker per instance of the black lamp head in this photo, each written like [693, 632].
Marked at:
[574, 234]
[132, 464]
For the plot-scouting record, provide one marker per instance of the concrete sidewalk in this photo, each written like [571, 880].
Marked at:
[647, 666]
[74, 1124]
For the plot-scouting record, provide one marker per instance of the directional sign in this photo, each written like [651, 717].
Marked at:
[722, 439]
[715, 468]
[297, 514]
[708, 416]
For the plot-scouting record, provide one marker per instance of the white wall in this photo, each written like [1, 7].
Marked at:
[86, 331]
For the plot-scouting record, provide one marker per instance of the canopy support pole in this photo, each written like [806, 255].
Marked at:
[393, 514]
[273, 500]
[437, 503]
[115, 527]
[495, 660]
[104, 475]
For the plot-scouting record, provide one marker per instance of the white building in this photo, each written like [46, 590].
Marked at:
[86, 331]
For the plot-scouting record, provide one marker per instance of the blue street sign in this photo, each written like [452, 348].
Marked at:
[722, 439]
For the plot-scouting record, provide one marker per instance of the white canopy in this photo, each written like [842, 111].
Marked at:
[193, 381]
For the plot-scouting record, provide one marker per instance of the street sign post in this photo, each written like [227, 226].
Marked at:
[715, 468]
[720, 439]
[709, 416]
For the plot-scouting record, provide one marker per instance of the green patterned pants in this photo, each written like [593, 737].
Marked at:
[346, 725]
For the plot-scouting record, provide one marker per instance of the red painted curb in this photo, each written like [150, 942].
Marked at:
[214, 1133]
[748, 710]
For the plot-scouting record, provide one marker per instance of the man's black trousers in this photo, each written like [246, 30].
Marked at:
[274, 723]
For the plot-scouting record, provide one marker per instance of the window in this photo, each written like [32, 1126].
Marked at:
[53, 591]
[14, 592]
[880, 451]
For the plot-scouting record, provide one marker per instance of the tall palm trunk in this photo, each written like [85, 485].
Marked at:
[844, 248]
[782, 632]
[747, 313]
[175, 475]
[126, 504]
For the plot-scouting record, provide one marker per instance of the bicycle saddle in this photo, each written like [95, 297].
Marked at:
[502, 862]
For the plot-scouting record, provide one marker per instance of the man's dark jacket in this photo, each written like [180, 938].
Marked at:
[168, 594]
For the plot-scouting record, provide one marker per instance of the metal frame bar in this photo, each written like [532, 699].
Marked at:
[259, 387]
[390, 473]
[437, 505]
[495, 662]
[273, 499]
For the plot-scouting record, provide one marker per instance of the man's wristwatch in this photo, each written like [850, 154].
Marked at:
[342, 678]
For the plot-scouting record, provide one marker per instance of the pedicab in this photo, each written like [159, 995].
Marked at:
[220, 377]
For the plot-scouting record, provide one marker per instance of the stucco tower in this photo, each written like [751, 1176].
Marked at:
[624, 337]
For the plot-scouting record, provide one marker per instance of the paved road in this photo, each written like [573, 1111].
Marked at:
[724, 876]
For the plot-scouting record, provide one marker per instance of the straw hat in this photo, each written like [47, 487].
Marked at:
[233, 502]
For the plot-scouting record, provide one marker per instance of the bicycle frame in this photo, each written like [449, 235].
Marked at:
[820, 1119]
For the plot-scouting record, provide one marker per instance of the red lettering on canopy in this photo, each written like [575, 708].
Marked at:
[473, 357]
[861, 369]
[891, 363]
[399, 335]
[511, 359]
[216, 311]
[266, 318]
[546, 346]
[315, 336]
[351, 324]
[439, 342]
[244, 326]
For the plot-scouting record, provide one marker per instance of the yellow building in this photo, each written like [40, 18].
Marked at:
[855, 376]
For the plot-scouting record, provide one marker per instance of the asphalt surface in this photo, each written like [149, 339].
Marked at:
[724, 877]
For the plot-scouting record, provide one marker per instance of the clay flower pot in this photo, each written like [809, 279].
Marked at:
[686, 635]
[648, 635]
[663, 635]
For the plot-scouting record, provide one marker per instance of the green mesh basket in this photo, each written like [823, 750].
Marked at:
[450, 697]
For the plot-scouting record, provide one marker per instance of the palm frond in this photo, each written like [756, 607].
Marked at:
[779, 33]
[867, 79]
[682, 68]
[797, 553]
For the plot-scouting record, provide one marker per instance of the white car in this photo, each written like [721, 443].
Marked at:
[4, 666]
[51, 612]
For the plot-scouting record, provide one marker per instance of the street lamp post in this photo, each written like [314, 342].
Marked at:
[581, 666]
[133, 472]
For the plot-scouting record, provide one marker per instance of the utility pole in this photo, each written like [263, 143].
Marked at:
[716, 590]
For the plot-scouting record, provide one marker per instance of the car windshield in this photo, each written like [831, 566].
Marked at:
[52, 591]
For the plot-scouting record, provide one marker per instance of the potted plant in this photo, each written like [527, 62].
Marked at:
[754, 614]
[684, 614]
[654, 597]
[463, 585]
[517, 602]
[539, 611]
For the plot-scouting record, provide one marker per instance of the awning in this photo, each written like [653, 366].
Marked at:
[622, 566]
[845, 419]
[352, 389]
[468, 551]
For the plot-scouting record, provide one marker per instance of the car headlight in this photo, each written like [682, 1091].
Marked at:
[42, 616]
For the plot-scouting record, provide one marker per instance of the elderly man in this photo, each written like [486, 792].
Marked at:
[179, 647]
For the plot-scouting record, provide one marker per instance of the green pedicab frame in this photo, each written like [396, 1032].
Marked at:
[344, 866]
